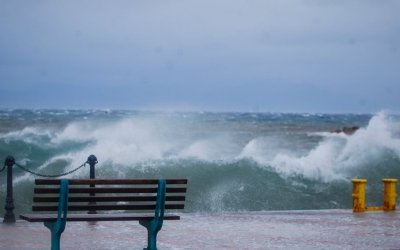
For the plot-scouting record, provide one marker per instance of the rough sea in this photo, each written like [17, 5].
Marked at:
[234, 162]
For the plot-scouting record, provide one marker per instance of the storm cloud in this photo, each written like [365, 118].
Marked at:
[279, 56]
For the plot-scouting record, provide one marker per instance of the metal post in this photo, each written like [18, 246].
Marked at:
[389, 194]
[92, 160]
[359, 195]
[9, 216]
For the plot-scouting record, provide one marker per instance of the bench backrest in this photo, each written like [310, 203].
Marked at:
[109, 194]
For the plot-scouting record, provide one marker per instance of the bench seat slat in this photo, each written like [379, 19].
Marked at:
[107, 190]
[108, 198]
[96, 217]
[109, 181]
[74, 190]
[106, 207]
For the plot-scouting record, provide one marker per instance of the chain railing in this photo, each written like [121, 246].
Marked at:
[4, 167]
[50, 175]
[9, 216]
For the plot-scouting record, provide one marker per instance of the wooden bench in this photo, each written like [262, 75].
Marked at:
[57, 201]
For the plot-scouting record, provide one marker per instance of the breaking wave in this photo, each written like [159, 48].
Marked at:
[233, 161]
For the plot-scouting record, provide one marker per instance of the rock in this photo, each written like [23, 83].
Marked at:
[346, 130]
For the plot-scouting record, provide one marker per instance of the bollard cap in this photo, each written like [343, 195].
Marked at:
[359, 180]
[389, 180]
[92, 159]
[10, 161]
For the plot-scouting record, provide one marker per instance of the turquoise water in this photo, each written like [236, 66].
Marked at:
[234, 161]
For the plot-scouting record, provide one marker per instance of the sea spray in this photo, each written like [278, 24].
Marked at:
[234, 161]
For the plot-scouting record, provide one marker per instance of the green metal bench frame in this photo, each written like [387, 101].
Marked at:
[58, 227]
[153, 224]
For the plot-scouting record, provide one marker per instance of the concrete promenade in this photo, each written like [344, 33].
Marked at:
[316, 229]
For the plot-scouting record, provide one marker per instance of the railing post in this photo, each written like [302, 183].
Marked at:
[92, 160]
[359, 195]
[389, 194]
[9, 216]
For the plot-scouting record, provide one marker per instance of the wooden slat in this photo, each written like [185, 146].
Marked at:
[96, 217]
[113, 181]
[106, 207]
[175, 190]
[107, 198]
[107, 190]
[96, 190]
[109, 181]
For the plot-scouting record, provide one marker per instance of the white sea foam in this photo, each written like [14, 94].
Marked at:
[124, 142]
[135, 141]
[227, 158]
[30, 135]
[335, 154]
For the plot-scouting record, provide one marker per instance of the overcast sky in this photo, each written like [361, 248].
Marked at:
[217, 55]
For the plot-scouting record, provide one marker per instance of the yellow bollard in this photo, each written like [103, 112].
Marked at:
[359, 195]
[389, 194]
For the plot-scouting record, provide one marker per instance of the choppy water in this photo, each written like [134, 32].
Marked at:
[234, 161]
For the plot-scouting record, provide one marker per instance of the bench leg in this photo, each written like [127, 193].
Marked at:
[154, 226]
[57, 227]
[152, 231]
[56, 232]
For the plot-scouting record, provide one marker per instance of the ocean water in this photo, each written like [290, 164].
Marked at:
[234, 162]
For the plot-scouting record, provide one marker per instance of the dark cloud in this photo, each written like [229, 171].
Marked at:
[211, 54]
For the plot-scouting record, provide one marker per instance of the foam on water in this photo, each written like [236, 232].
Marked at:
[228, 158]
[334, 155]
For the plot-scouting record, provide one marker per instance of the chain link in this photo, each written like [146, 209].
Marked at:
[48, 175]
[4, 167]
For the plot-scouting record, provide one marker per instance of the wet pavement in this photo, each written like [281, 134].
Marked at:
[317, 229]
